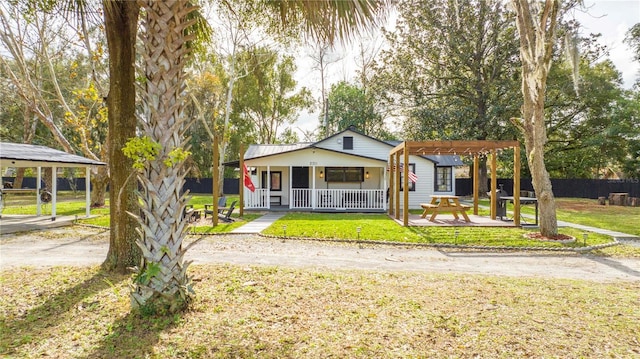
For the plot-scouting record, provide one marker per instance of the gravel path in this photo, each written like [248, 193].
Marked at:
[81, 246]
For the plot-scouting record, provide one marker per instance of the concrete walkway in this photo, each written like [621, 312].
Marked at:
[23, 223]
[614, 234]
[259, 224]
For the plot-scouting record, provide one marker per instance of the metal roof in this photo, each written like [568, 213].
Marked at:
[446, 160]
[256, 151]
[440, 160]
[24, 155]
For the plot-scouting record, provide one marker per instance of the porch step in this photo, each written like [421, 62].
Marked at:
[259, 224]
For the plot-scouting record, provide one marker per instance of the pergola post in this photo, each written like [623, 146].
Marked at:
[405, 187]
[516, 186]
[87, 191]
[476, 183]
[241, 184]
[494, 185]
[397, 189]
[391, 190]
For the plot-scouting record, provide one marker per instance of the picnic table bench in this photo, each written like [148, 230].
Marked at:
[444, 204]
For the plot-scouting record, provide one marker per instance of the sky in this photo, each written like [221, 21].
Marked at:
[611, 18]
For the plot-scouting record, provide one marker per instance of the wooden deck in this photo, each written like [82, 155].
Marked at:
[448, 220]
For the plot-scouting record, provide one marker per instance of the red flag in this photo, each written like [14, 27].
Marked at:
[247, 179]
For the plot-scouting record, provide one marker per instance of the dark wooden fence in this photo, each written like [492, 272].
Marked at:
[195, 185]
[577, 188]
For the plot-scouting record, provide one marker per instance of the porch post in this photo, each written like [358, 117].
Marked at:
[290, 186]
[268, 199]
[87, 191]
[54, 189]
[38, 188]
[384, 188]
[314, 199]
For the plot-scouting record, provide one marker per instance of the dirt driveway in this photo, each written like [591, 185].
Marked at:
[82, 246]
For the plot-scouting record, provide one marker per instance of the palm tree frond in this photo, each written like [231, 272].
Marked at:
[332, 19]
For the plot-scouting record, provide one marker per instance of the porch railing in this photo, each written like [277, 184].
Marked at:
[358, 199]
[257, 199]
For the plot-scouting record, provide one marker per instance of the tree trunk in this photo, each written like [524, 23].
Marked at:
[121, 22]
[535, 140]
[483, 184]
[17, 182]
[536, 30]
[99, 184]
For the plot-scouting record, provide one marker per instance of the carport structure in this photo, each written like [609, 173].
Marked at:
[28, 156]
[476, 148]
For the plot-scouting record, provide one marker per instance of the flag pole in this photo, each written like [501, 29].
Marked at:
[241, 180]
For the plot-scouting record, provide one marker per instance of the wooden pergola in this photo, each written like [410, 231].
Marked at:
[400, 154]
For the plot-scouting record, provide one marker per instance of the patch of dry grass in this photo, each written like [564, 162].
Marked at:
[273, 312]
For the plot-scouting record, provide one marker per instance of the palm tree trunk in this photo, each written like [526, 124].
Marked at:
[162, 283]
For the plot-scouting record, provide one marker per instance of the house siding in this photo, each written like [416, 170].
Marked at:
[362, 145]
[317, 157]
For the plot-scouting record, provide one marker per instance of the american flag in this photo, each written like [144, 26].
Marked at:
[412, 176]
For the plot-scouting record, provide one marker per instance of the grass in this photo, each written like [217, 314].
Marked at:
[380, 228]
[587, 212]
[267, 312]
[67, 204]
[73, 204]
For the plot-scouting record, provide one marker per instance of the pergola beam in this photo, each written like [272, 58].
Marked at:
[453, 147]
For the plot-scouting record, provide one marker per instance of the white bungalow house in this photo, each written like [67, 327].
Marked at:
[347, 171]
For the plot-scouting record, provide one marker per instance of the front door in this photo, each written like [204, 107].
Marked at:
[300, 180]
[300, 177]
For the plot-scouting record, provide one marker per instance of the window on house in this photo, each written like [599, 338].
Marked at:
[276, 180]
[412, 185]
[344, 174]
[347, 143]
[444, 178]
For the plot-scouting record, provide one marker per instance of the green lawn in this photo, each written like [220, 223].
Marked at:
[379, 227]
[587, 212]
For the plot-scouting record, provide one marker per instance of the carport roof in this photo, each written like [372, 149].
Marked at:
[23, 155]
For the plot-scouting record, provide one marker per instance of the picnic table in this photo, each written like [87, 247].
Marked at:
[444, 204]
